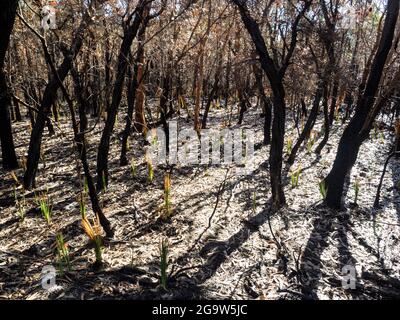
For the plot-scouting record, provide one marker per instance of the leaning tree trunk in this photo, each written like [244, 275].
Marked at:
[49, 97]
[361, 123]
[309, 124]
[130, 31]
[80, 141]
[326, 122]
[8, 10]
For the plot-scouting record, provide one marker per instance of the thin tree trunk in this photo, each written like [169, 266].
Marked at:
[130, 31]
[79, 135]
[305, 134]
[131, 88]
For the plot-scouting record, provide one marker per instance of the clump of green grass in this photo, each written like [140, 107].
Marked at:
[295, 176]
[323, 189]
[289, 145]
[44, 203]
[164, 263]
[63, 254]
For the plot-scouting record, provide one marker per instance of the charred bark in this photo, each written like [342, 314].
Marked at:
[8, 10]
[361, 123]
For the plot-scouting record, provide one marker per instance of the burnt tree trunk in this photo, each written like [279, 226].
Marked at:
[275, 76]
[360, 125]
[326, 122]
[8, 10]
[131, 96]
[309, 124]
[131, 27]
[49, 97]
[79, 135]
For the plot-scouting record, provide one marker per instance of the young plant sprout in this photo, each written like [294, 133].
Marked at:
[93, 231]
[294, 177]
[45, 206]
[63, 254]
[289, 146]
[323, 190]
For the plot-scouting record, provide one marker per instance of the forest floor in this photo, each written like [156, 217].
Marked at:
[219, 235]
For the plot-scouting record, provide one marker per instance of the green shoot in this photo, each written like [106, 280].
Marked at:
[93, 231]
[323, 189]
[289, 146]
[45, 206]
[294, 176]
[376, 131]
[63, 253]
